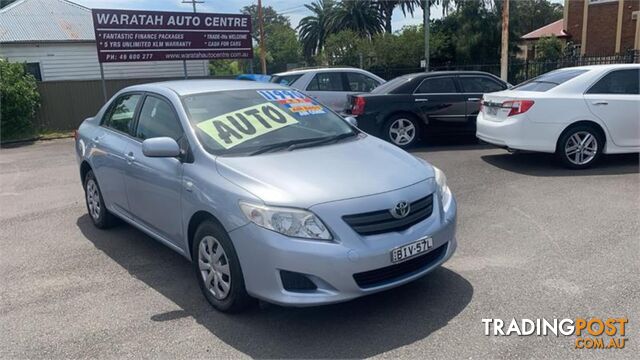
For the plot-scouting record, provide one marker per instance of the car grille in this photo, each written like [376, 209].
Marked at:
[385, 275]
[378, 222]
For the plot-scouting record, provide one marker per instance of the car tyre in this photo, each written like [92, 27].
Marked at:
[402, 130]
[218, 270]
[580, 147]
[100, 216]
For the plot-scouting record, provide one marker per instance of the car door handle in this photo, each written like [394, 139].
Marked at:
[600, 102]
[130, 158]
[421, 100]
[97, 139]
[473, 99]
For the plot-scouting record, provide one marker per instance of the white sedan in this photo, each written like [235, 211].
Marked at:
[577, 113]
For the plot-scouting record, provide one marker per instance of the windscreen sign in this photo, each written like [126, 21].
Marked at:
[129, 35]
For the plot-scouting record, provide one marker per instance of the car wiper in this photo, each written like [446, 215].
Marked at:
[281, 145]
[321, 141]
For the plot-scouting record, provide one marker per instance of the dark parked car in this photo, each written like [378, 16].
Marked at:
[410, 106]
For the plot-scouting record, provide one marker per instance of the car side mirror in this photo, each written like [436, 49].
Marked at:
[351, 120]
[160, 147]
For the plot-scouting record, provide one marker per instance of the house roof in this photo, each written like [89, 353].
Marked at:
[555, 28]
[45, 21]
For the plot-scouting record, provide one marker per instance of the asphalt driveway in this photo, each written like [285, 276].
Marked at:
[535, 241]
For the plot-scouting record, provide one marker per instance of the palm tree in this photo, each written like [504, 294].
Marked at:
[313, 29]
[387, 7]
[360, 16]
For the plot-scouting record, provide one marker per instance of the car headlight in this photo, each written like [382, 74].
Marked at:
[443, 189]
[290, 222]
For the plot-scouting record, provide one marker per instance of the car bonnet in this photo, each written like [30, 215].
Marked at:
[306, 177]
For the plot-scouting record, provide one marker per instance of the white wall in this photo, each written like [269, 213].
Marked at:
[79, 61]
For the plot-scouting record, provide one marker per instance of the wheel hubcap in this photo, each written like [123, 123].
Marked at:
[402, 132]
[93, 199]
[214, 267]
[581, 148]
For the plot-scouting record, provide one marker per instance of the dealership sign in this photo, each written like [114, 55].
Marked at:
[127, 35]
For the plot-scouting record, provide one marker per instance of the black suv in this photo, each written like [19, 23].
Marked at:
[410, 106]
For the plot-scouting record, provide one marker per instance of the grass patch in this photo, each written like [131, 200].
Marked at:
[30, 135]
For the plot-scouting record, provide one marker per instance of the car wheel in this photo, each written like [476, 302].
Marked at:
[100, 216]
[580, 147]
[218, 269]
[402, 130]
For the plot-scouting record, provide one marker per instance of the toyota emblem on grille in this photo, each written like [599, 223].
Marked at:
[401, 210]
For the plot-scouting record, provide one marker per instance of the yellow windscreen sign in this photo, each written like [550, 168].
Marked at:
[238, 126]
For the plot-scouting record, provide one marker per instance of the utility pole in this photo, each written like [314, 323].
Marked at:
[427, 15]
[192, 2]
[504, 51]
[263, 57]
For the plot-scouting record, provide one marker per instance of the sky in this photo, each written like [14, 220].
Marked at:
[294, 9]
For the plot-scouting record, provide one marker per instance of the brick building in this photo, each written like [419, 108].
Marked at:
[602, 27]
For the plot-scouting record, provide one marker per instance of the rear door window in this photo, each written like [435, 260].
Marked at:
[549, 80]
[120, 116]
[618, 82]
[360, 82]
[331, 81]
[438, 85]
[479, 84]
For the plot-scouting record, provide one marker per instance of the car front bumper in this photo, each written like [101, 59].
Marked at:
[331, 265]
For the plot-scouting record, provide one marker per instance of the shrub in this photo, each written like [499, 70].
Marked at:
[549, 48]
[19, 100]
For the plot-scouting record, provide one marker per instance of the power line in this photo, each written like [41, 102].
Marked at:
[289, 9]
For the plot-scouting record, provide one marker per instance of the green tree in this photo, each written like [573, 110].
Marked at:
[280, 41]
[343, 48]
[270, 16]
[313, 29]
[282, 48]
[19, 100]
[387, 6]
[474, 32]
[548, 48]
[225, 67]
[528, 15]
[360, 16]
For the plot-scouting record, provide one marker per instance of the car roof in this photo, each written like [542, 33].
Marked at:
[603, 67]
[449, 72]
[189, 87]
[323, 69]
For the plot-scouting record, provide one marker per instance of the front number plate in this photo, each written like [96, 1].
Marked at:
[410, 250]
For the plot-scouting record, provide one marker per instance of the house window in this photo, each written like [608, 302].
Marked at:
[33, 69]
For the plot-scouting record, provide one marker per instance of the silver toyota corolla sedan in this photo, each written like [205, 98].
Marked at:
[270, 194]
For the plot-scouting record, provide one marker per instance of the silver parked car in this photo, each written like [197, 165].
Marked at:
[270, 194]
[330, 86]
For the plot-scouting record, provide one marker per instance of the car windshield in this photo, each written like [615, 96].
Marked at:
[246, 122]
[549, 80]
[391, 85]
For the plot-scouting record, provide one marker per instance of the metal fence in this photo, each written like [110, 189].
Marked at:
[64, 104]
[519, 70]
